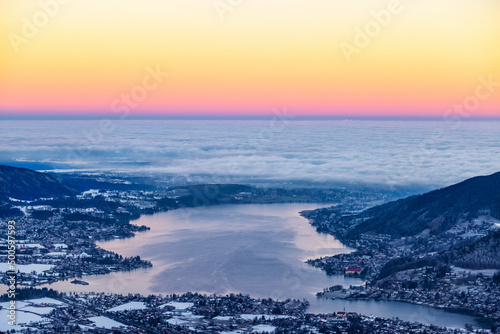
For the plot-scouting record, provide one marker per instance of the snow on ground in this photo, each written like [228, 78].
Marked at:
[128, 306]
[488, 219]
[22, 305]
[266, 316]
[37, 310]
[26, 317]
[23, 209]
[21, 319]
[485, 272]
[30, 246]
[56, 254]
[25, 312]
[191, 316]
[263, 328]
[4, 325]
[84, 296]
[45, 300]
[472, 235]
[27, 268]
[176, 321]
[6, 304]
[184, 319]
[221, 318]
[91, 192]
[104, 322]
[178, 306]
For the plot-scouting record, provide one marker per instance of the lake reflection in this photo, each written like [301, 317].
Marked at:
[253, 249]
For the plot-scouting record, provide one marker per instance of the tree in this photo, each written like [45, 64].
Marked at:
[496, 278]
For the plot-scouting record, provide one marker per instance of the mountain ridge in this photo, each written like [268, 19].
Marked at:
[435, 211]
[26, 184]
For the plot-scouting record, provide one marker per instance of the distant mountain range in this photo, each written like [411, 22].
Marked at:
[25, 184]
[434, 212]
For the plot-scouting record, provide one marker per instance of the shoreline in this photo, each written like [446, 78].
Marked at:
[48, 286]
[371, 290]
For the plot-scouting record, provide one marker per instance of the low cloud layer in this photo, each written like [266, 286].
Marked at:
[396, 153]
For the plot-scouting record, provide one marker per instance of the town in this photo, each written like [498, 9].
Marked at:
[46, 311]
[56, 240]
[411, 269]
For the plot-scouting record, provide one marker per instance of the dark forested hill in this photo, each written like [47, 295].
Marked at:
[483, 253]
[25, 184]
[435, 211]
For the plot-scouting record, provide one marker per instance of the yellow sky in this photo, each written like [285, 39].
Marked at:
[249, 57]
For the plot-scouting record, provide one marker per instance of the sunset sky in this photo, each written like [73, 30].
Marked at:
[77, 57]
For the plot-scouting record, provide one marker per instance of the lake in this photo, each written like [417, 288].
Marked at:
[253, 249]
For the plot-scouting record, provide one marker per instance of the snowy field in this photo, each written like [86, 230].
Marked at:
[28, 311]
[28, 268]
[104, 322]
[178, 306]
[266, 316]
[263, 328]
[128, 306]
[485, 272]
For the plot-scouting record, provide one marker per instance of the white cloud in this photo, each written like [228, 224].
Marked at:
[407, 153]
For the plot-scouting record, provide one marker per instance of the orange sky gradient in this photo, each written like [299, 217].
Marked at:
[250, 57]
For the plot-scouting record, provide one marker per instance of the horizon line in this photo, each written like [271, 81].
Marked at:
[287, 116]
